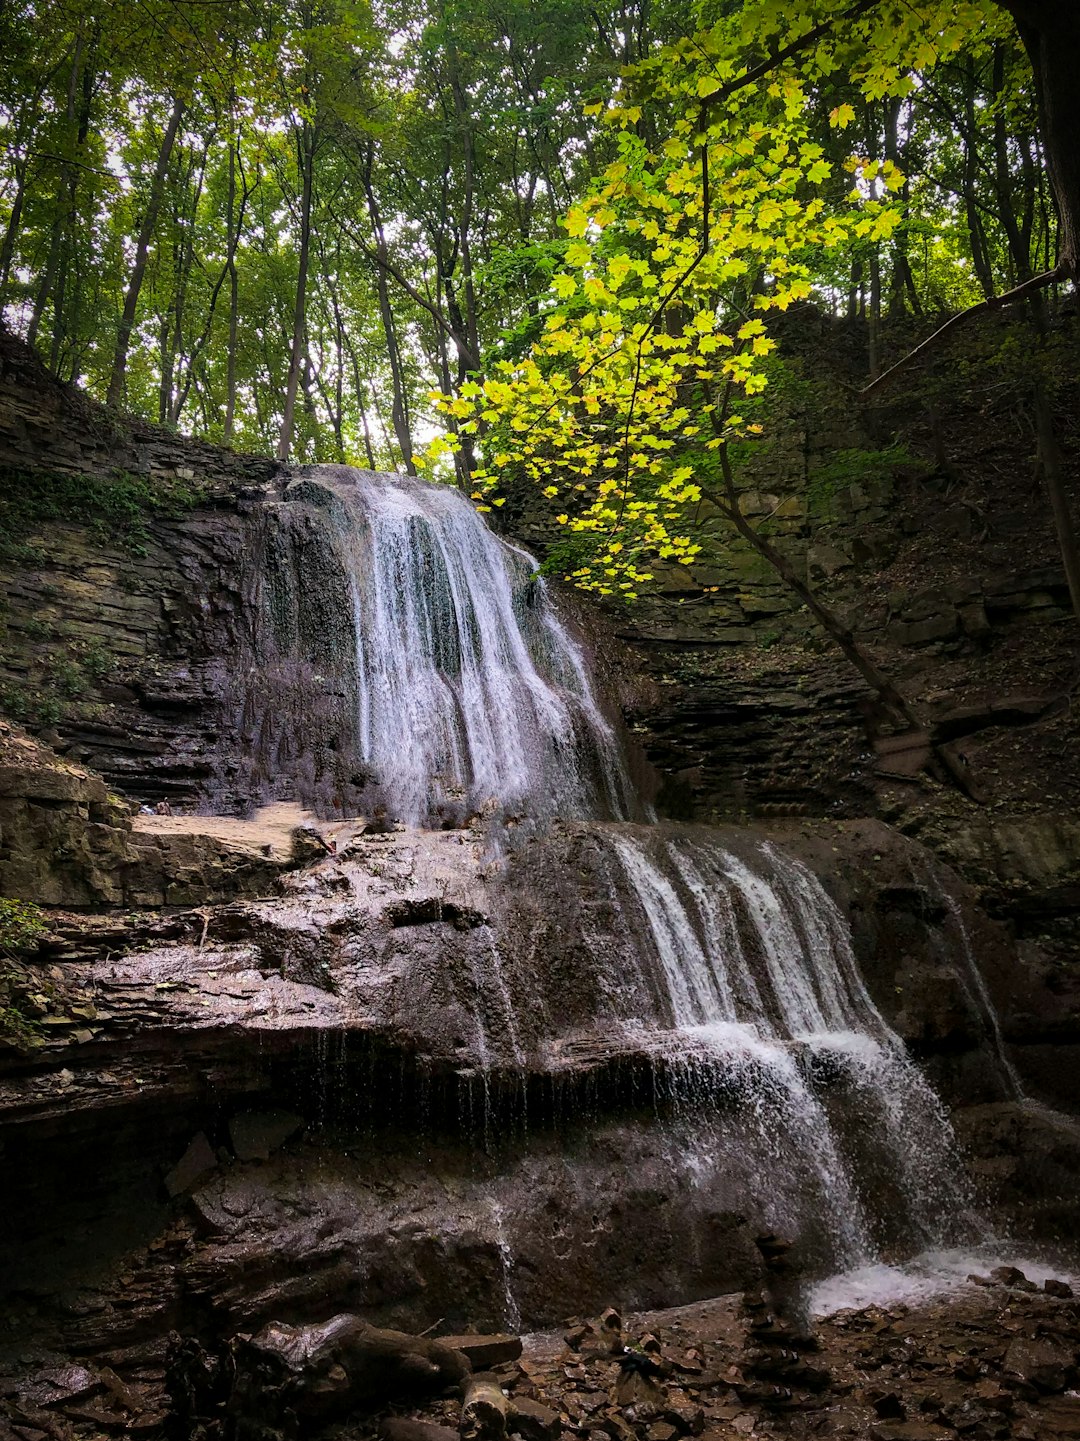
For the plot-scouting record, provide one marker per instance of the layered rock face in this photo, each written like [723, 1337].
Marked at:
[471, 1039]
[425, 1080]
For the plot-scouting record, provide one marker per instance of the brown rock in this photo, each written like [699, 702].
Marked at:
[197, 1161]
[688, 1418]
[1010, 1276]
[534, 1421]
[485, 1351]
[1061, 1289]
[904, 1431]
[1041, 1364]
[255, 1134]
[408, 1428]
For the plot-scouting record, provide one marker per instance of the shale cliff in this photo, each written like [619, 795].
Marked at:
[277, 1056]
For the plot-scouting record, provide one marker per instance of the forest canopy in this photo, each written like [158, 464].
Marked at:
[509, 243]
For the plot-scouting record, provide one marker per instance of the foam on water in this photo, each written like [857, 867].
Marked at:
[928, 1277]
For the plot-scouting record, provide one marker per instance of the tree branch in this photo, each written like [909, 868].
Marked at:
[432, 309]
[995, 302]
[757, 72]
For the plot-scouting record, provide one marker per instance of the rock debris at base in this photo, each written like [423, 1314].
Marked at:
[996, 1360]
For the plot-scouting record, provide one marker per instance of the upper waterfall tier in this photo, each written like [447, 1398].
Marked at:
[404, 656]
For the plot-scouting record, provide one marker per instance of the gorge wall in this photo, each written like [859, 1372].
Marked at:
[421, 1076]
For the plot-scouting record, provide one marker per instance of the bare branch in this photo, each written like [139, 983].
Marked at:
[995, 302]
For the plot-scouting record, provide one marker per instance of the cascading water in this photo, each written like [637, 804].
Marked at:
[420, 660]
[764, 995]
[406, 658]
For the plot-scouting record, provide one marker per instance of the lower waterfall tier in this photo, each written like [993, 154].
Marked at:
[594, 1067]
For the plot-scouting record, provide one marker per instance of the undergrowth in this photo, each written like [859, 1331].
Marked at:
[22, 926]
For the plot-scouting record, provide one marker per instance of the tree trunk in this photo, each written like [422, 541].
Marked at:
[976, 235]
[829, 621]
[306, 153]
[142, 250]
[1050, 31]
[873, 316]
[400, 408]
[1053, 473]
[63, 323]
[11, 234]
[311, 1375]
[65, 197]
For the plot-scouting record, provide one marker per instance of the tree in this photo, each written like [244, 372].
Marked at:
[1050, 30]
[624, 407]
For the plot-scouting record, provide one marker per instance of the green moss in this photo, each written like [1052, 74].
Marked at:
[116, 507]
[22, 926]
[31, 705]
[846, 468]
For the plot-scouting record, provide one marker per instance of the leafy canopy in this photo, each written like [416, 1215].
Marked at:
[735, 191]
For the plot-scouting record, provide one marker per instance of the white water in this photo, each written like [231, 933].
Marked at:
[761, 982]
[927, 1277]
[972, 981]
[470, 691]
[432, 663]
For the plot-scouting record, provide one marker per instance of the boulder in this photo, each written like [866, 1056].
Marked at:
[256, 1134]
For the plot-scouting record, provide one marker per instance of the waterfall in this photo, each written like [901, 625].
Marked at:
[405, 660]
[422, 661]
[764, 996]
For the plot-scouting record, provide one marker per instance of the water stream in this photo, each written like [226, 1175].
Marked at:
[406, 662]
[420, 662]
[764, 992]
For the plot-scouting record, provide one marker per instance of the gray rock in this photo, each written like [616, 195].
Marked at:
[197, 1161]
[255, 1135]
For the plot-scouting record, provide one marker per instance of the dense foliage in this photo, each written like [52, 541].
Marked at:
[305, 226]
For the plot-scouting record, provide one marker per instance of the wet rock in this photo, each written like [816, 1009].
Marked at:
[888, 1405]
[904, 1431]
[686, 1416]
[661, 1431]
[1040, 1364]
[1061, 1289]
[256, 1134]
[198, 1161]
[483, 1352]
[60, 1385]
[1010, 1276]
[408, 1428]
[534, 1421]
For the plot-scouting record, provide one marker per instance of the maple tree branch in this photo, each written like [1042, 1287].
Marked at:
[795, 47]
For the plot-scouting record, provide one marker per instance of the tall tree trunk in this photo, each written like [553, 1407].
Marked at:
[976, 236]
[11, 234]
[359, 387]
[306, 155]
[142, 250]
[463, 112]
[1050, 31]
[873, 316]
[65, 194]
[1019, 243]
[400, 409]
[1052, 468]
[63, 324]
